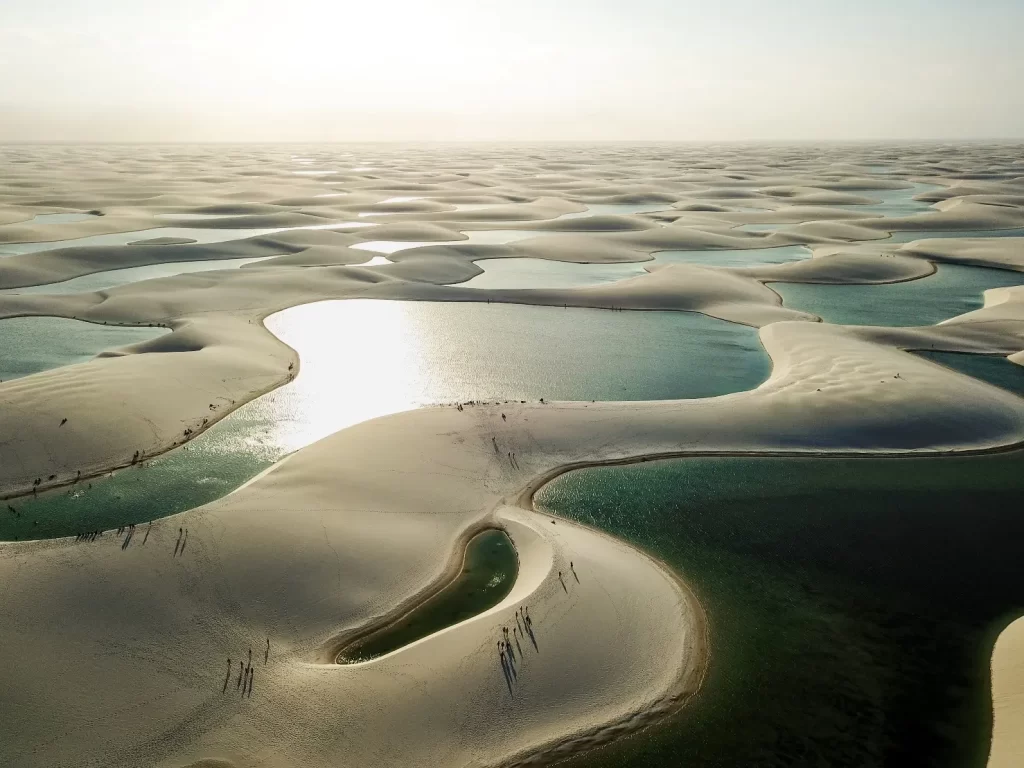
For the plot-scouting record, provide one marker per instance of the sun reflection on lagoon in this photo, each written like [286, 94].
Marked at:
[336, 339]
[361, 359]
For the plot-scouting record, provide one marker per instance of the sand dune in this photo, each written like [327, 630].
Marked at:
[1002, 252]
[310, 550]
[1008, 697]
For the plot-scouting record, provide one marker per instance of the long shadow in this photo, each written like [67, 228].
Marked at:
[508, 676]
[529, 629]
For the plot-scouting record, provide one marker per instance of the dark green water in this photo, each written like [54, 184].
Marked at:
[34, 344]
[487, 576]
[995, 369]
[362, 359]
[951, 291]
[852, 603]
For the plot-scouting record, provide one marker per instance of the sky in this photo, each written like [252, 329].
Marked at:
[515, 70]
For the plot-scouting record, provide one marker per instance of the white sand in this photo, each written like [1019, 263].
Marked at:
[1008, 698]
[122, 663]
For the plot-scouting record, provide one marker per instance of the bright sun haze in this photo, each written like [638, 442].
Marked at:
[319, 70]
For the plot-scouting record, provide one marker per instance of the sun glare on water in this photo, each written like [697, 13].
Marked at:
[330, 335]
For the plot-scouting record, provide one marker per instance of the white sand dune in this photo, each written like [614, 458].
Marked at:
[1008, 698]
[1001, 252]
[122, 664]
[299, 555]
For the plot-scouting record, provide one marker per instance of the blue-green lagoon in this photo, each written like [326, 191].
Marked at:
[994, 369]
[953, 290]
[362, 358]
[35, 344]
[99, 281]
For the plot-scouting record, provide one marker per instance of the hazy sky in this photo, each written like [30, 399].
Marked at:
[297, 70]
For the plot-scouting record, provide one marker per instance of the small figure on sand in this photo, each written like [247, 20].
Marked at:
[563, 582]
[266, 653]
[573, 569]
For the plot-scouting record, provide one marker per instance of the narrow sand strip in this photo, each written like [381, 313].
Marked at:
[1008, 698]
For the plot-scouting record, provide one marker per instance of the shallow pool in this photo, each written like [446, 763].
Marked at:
[489, 572]
[98, 281]
[59, 218]
[34, 344]
[951, 291]
[544, 273]
[362, 358]
[749, 257]
[909, 237]
[995, 369]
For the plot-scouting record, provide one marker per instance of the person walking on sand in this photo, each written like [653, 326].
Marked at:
[573, 569]
[241, 671]
[266, 653]
[494, 442]
[251, 673]
[563, 582]
[247, 666]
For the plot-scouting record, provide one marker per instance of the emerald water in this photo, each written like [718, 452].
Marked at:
[34, 344]
[750, 257]
[487, 576]
[995, 369]
[952, 290]
[852, 603]
[98, 281]
[545, 273]
[361, 359]
[895, 202]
